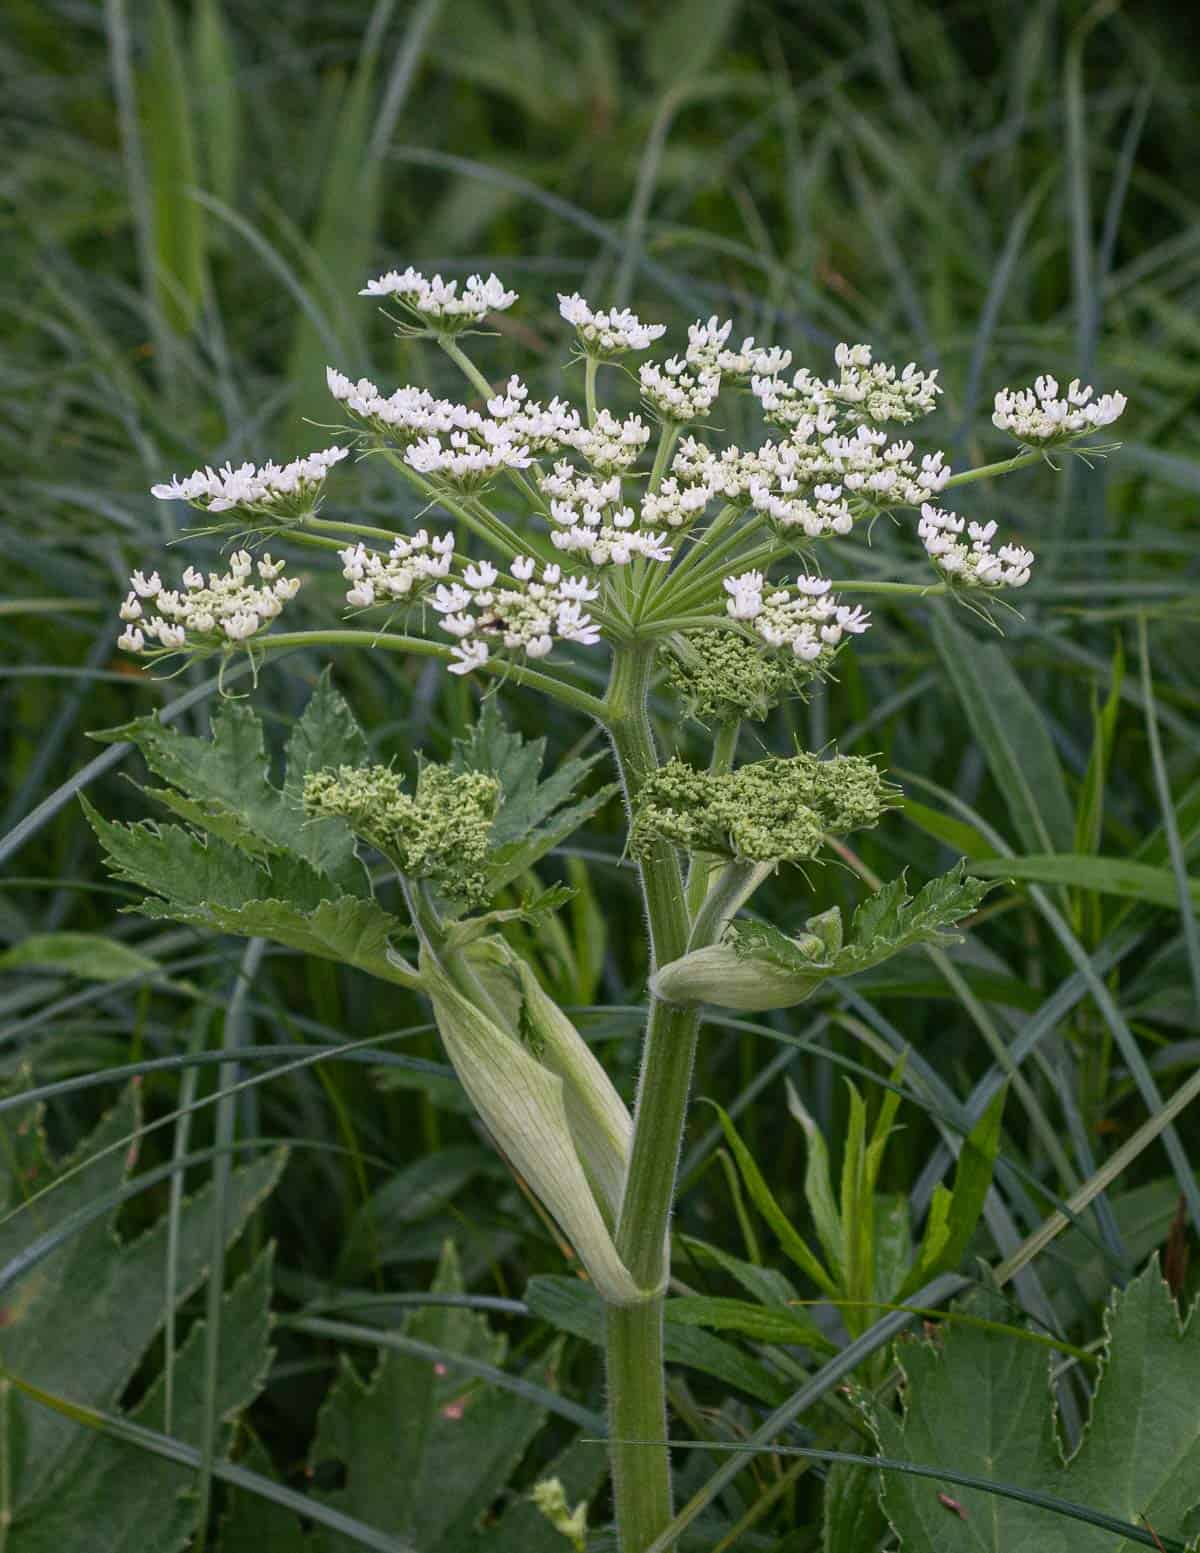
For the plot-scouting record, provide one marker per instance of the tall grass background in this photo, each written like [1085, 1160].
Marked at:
[192, 198]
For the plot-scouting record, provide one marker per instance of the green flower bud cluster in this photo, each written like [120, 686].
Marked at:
[442, 833]
[771, 809]
[722, 677]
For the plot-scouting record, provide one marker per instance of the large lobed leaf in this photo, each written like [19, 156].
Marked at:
[980, 1405]
[422, 1453]
[79, 1322]
[249, 860]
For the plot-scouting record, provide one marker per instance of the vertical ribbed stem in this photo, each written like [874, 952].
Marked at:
[633, 1335]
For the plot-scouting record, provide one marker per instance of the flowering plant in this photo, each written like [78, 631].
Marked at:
[694, 566]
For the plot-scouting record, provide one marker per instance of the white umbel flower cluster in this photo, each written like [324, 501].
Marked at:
[804, 616]
[437, 304]
[411, 563]
[611, 444]
[606, 333]
[527, 617]
[588, 518]
[466, 463]
[543, 428]
[676, 394]
[229, 608]
[862, 392]
[707, 350]
[274, 490]
[1039, 418]
[971, 562]
[820, 486]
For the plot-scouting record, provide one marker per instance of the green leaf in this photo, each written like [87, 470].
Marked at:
[575, 1307]
[767, 1285]
[209, 884]
[223, 785]
[758, 967]
[178, 221]
[92, 1283]
[955, 1217]
[90, 956]
[954, 833]
[980, 1404]
[1105, 875]
[531, 819]
[818, 1185]
[218, 98]
[522, 1528]
[131, 1503]
[788, 1236]
[425, 1454]
[687, 36]
[1012, 734]
[852, 1519]
[419, 1190]
[760, 1322]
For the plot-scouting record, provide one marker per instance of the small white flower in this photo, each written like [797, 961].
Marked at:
[1038, 418]
[608, 333]
[131, 640]
[468, 656]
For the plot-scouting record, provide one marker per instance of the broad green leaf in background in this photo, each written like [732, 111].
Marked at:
[420, 1189]
[216, 99]
[980, 1403]
[1106, 875]
[424, 1453]
[686, 37]
[90, 956]
[852, 1520]
[96, 1284]
[124, 1501]
[1012, 735]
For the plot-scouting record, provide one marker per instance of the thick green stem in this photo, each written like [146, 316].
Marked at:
[589, 387]
[1004, 467]
[633, 1335]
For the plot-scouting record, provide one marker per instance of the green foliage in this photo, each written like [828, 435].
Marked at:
[574, 1307]
[758, 967]
[423, 1452]
[90, 956]
[979, 1402]
[534, 815]
[249, 860]
[61, 1477]
[867, 1260]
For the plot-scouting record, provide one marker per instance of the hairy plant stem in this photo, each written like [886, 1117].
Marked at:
[633, 1334]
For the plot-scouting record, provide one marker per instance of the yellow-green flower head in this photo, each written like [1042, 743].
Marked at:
[442, 833]
[775, 809]
[723, 677]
